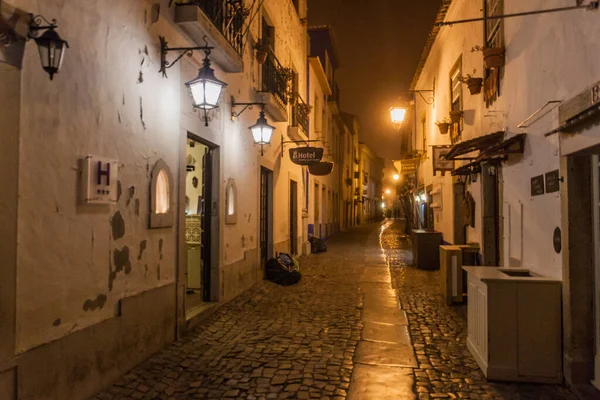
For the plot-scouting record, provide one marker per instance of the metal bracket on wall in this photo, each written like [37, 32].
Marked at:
[164, 49]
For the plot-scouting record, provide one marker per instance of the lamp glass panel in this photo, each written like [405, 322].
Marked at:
[398, 114]
[257, 134]
[212, 92]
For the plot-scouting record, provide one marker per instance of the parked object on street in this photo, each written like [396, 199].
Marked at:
[317, 245]
[514, 324]
[426, 252]
[283, 270]
[451, 282]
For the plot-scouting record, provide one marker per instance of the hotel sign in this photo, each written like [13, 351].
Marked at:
[306, 155]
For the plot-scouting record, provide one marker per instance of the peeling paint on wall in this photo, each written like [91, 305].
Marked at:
[131, 193]
[137, 207]
[142, 113]
[143, 244]
[158, 272]
[118, 226]
[119, 190]
[243, 241]
[160, 248]
[97, 303]
[121, 262]
[141, 76]
[57, 322]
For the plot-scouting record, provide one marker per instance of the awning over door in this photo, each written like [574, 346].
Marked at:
[592, 112]
[479, 143]
[501, 150]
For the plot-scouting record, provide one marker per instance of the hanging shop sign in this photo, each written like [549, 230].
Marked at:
[306, 155]
[321, 168]
[552, 181]
[439, 161]
[408, 167]
[537, 185]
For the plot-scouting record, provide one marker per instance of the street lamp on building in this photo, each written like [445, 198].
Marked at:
[397, 114]
[51, 46]
[388, 191]
[206, 89]
[396, 177]
[262, 131]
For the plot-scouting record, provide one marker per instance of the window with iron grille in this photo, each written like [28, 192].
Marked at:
[494, 37]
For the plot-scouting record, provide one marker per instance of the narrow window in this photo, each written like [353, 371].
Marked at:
[456, 98]
[161, 192]
[230, 202]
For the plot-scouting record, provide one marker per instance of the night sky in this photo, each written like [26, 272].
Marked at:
[379, 43]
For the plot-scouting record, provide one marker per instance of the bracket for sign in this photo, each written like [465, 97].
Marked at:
[296, 142]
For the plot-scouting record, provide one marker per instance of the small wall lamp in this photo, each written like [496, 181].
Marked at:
[261, 131]
[51, 46]
[205, 89]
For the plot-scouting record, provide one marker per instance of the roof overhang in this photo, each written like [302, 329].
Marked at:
[321, 75]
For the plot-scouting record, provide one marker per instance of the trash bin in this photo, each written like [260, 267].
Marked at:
[451, 274]
[426, 252]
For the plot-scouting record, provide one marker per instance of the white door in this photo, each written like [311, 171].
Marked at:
[596, 208]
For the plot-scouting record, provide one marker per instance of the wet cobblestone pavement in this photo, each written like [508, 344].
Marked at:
[304, 341]
[439, 333]
[271, 342]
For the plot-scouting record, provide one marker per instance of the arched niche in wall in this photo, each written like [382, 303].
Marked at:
[161, 196]
[230, 202]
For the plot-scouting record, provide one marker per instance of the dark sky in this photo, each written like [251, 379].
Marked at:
[379, 43]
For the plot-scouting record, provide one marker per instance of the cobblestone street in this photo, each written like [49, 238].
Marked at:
[315, 339]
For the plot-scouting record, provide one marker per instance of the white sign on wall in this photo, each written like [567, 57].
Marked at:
[99, 180]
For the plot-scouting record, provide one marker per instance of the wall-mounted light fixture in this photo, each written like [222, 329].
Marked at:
[205, 89]
[51, 46]
[398, 114]
[261, 131]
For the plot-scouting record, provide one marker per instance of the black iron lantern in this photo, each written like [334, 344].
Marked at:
[51, 46]
[206, 89]
[262, 131]
[52, 51]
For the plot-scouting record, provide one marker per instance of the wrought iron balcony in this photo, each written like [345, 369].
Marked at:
[275, 79]
[300, 112]
[228, 17]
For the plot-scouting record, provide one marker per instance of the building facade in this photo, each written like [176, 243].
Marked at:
[520, 166]
[192, 207]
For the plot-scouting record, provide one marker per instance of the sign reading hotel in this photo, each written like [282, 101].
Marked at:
[306, 155]
[99, 180]
[439, 161]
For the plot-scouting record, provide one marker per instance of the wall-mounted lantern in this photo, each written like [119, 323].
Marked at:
[51, 46]
[205, 89]
[398, 114]
[261, 131]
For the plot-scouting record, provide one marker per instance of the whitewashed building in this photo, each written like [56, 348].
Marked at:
[193, 208]
[527, 192]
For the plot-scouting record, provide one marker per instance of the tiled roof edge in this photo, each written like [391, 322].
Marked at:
[441, 15]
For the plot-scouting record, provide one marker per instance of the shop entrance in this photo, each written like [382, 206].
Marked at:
[596, 213]
[198, 222]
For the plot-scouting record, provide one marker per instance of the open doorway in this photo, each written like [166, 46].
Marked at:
[198, 223]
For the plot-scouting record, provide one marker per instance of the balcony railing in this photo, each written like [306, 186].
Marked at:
[228, 17]
[275, 79]
[300, 112]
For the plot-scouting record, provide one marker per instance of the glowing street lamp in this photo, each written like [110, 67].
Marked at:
[396, 177]
[398, 114]
[388, 191]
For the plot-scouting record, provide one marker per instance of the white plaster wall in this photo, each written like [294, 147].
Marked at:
[451, 44]
[110, 100]
[537, 71]
[94, 106]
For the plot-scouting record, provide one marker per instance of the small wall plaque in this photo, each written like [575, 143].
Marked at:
[537, 185]
[552, 181]
[99, 185]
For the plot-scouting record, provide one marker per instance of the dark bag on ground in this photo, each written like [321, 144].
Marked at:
[282, 270]
[317, 245]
